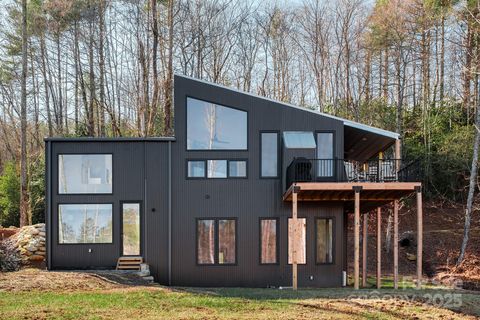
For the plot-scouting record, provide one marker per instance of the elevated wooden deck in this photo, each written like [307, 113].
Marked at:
[372, 195]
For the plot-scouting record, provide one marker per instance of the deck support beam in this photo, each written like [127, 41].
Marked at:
[364, 249]
[395, 244]
[419, 236]
[356, 266]
[379, 247]
[294, 240]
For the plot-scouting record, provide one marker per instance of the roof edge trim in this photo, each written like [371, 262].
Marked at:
[104, 139]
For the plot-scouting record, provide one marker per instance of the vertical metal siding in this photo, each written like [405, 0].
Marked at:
[245, 199]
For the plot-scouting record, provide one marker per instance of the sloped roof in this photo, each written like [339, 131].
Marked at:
[346, 122]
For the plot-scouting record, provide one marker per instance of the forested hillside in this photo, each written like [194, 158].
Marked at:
[105, 68]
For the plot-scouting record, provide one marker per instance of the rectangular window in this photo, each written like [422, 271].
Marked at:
[212, 126]
[131, 229]
[216, 168]
[325, 163]
[84, 173]
[299, 140]
[269, 154]
[237, 169]
[268, 241]
[324, 236]
[301, 244]
[84, 223]
[196, 169]
[216, 241]
[226, 242]
[206, 241]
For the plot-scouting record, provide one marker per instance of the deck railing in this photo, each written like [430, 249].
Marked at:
[340, 170]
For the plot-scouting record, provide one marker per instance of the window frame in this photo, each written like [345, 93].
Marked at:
[333, 240]
[222, 105]
[334, 152]
[82, 154]
[204, 169]
[277, 241]
[306, 241]
[237, 160]
[205, 163]
[216, 244]
[278, 133]
[140, 202]
[217, 178]
[87, 243]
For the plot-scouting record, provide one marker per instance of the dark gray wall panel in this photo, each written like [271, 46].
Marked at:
[247, 199]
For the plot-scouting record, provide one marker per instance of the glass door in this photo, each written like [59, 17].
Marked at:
[131, 231]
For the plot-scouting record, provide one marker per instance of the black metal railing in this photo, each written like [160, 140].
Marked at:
[340, 170]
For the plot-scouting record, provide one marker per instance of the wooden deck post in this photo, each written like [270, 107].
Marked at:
[379, 247]
[356, 263]
[395, 244]
[294, 240]
[419, 236]
[364, 249]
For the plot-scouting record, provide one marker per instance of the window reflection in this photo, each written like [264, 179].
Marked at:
[85, 223]
[214, 127]
[84, 173]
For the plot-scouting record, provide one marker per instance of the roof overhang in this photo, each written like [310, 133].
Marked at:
[372, 140]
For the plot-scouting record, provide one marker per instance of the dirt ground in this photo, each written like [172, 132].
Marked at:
[443, 234]
[58, 281]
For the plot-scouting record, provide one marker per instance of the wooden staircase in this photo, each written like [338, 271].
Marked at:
[129, 263]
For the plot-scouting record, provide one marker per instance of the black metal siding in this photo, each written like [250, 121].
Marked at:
[245, 199]
[141, 172]
[130, 160]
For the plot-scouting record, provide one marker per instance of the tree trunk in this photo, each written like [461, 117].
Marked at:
[156, 86]
[23, 123]
[471, 188]
[169, 77]
[101, 41]
[91, 106]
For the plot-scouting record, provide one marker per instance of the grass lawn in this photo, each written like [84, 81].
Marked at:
[144, 302]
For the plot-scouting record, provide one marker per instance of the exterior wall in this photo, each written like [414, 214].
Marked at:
[245, 199]
[154, 172]
[132, 162]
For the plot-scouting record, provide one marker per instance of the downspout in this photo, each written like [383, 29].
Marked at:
[169, 213]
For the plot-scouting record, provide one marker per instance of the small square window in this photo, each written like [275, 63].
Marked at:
[217, 168]
[196, 169]
[237, 169]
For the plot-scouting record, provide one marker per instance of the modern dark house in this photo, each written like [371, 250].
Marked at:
[250, 192]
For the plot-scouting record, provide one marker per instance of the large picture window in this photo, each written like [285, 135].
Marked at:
[269, 154]
[301, 244]
[216, 241]
[84, 173]
[215, 127]
[268, 241]
[84, 223]
[324, 236]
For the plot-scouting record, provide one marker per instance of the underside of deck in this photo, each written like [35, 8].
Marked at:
[360, 197]
[372, 195]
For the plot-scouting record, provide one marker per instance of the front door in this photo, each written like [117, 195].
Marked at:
[131, 229]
